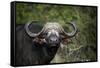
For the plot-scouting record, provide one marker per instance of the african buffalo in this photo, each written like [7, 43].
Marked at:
[38, 45]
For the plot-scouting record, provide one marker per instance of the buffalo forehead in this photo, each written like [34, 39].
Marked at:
[55, 26]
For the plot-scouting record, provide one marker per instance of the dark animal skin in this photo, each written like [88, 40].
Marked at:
[29, 52]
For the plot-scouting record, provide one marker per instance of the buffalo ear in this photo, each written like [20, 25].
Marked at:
[39, 41]
[66, 41]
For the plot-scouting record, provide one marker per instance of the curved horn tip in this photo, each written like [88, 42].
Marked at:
[73, 33]
[28, 31]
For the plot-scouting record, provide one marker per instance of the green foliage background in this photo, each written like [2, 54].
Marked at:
[83, 45]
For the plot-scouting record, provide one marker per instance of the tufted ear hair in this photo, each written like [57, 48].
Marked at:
[39, 41]
[66, 41]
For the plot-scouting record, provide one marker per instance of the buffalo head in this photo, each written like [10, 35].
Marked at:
[52, 33]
